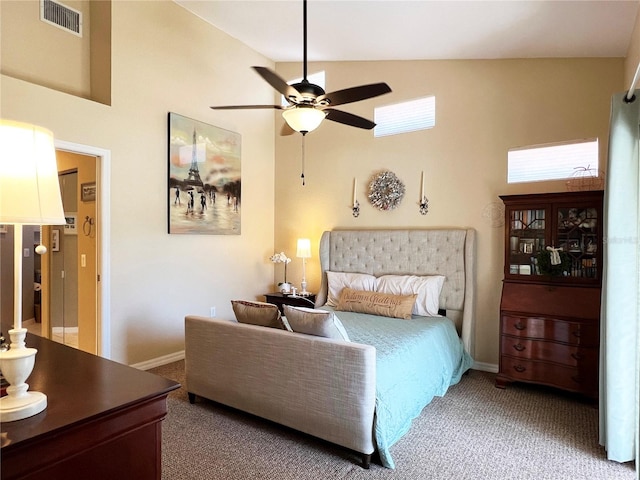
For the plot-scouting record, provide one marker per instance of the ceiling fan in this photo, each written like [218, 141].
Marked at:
[308, 104]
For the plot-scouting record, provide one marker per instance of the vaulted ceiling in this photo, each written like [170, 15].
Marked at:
[407, 30]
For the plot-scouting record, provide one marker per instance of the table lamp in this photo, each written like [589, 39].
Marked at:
[29, 195]
[304, 252]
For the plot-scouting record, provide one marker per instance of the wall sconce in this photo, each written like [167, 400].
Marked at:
[424, 203]
[355, 209]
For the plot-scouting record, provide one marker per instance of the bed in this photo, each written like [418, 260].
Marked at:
[348, 392]
[419, 359]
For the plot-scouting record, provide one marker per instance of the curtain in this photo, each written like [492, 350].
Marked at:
[620, 315]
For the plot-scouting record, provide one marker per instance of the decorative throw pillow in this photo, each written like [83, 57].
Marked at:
[315, 322]
[376, 303]
[427, 288]
[339, 280]
[258, 313]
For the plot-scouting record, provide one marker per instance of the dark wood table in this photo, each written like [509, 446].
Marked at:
[102, 421]
[281, 299]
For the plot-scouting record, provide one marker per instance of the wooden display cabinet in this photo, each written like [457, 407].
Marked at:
[550, 313]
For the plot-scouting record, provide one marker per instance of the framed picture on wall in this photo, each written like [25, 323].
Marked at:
[55, 240]
[204, 187]
[88, 192]
[71, 227]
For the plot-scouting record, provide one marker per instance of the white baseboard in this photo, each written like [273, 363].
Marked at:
[174, 357]
[160, 361]
[485, 367]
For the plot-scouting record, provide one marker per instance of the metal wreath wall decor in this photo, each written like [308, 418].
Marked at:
[386, 190]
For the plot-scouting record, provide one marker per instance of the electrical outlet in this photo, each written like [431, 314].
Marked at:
[213, 312]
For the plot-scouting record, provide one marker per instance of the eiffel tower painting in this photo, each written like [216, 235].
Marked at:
[204, 187]
[194, 173]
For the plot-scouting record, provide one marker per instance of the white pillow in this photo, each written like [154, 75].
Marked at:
[339, 280]
[428, 289]
[315, 322]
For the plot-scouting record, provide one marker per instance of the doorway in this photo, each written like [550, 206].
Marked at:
[70, 272]
[102, 236]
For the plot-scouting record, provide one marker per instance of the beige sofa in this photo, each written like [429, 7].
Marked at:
[320, 386]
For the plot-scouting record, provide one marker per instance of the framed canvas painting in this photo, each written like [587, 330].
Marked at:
[204, 190]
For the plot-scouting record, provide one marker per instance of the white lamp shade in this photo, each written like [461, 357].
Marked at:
[304, 248]
[304, 119]
[29, 188]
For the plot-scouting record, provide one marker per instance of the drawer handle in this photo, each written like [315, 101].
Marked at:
[519, 347]
[519, 368]
[576, 356]
[520, 326]
[576, 333]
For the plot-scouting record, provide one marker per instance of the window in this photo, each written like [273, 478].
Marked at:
[315, 78]
[557, 161]
[418, 114]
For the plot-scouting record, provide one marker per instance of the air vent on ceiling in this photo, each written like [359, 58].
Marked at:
[61, 16]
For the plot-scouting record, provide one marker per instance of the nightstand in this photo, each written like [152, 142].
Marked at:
[281, 299]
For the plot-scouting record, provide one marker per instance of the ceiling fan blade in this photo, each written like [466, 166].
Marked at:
[348, 119]
[246, 107]
[278, 83]
[354, 94]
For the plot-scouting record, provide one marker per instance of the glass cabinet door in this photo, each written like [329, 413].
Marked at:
[577, 233]
[527, 237]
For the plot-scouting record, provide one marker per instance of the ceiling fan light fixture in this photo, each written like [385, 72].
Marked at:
[304, 119]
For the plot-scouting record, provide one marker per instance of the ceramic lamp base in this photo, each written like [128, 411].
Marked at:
[28, 405]
[16, 365]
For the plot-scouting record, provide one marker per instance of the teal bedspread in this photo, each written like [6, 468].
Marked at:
[416, 360]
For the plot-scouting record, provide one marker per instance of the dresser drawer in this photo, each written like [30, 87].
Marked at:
[574, 333]
[570, 355]
[583, 379]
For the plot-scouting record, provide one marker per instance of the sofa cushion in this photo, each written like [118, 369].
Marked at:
[315, 322]
[427, 288]
[336, 281]
[376, 303]
[258, 313]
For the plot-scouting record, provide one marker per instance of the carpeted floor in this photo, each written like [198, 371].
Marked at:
[475, 432]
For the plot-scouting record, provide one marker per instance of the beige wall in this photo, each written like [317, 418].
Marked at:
[47, 55]
[483, 108]
[165, 59]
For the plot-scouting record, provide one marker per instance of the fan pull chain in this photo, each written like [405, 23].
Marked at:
[302, 174]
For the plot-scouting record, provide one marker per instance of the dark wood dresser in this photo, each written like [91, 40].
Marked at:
[102, 421]
[550, 314]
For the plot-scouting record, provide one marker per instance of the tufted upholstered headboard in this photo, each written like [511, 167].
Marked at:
[445, 251]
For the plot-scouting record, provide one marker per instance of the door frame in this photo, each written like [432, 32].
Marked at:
[103, 174]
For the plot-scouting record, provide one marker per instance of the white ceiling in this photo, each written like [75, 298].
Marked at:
[407, 30]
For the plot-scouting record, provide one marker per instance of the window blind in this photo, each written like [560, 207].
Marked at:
[409, 116]
[558, 161]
